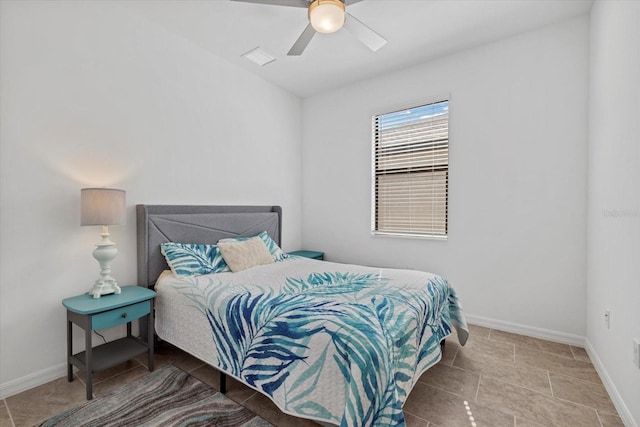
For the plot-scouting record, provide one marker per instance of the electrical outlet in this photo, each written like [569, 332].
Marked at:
[636, 352]
[607, 318]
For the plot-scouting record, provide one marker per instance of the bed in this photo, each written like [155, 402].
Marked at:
[336, 343]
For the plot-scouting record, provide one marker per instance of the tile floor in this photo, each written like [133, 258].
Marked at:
[497, 379]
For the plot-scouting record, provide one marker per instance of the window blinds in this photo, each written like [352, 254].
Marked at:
[411, 171]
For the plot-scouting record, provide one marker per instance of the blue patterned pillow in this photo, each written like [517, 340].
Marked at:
[276, 252]
[187, 259]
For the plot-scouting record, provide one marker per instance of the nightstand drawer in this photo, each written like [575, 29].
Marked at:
[120, 315]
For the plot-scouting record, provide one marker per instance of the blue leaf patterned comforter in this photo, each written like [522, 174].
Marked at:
[331, 342]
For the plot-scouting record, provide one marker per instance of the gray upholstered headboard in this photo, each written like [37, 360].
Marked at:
[196, 224]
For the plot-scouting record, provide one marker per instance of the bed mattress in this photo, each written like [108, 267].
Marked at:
[341, 344]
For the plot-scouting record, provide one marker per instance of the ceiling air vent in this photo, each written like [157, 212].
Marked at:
[259, 56]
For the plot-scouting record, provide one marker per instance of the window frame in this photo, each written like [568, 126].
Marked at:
[406, 234]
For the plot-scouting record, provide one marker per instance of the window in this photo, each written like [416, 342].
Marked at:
[411, 171]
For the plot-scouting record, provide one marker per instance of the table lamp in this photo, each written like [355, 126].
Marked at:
[105, 207]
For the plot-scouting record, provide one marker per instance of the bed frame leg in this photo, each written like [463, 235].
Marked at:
[223, 383]
[442, 343]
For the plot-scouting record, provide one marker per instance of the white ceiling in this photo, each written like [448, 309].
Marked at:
[416, 30]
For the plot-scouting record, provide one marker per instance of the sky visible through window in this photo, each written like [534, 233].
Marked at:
[403, 117]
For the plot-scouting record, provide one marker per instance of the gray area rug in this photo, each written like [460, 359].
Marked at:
[167, 397]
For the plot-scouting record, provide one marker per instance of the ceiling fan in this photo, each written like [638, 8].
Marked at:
[327, 16]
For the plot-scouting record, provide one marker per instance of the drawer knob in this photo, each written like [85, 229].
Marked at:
[124, 315]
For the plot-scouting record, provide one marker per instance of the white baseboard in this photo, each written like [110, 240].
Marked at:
[531, 331]
[32, 380]
[617, 400]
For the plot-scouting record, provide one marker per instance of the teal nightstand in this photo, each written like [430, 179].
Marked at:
[309, 254]
[91, 314]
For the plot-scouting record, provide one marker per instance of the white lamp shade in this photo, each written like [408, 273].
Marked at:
[102, 206]
[327, 16]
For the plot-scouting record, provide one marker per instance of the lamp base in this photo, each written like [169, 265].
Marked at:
[104, 288]
[104, 253]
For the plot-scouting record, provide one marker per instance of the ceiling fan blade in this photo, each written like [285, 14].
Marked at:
[300, 45]
[366, 35]
[292, 3]
[348, 2]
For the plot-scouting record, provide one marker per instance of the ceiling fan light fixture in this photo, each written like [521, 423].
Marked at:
[327, 16]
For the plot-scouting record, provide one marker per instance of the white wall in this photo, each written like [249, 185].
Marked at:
[516, 250]
[614, 196]
[95, 96]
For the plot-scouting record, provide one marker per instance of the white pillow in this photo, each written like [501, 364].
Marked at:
[273, 247]
[242, 254]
